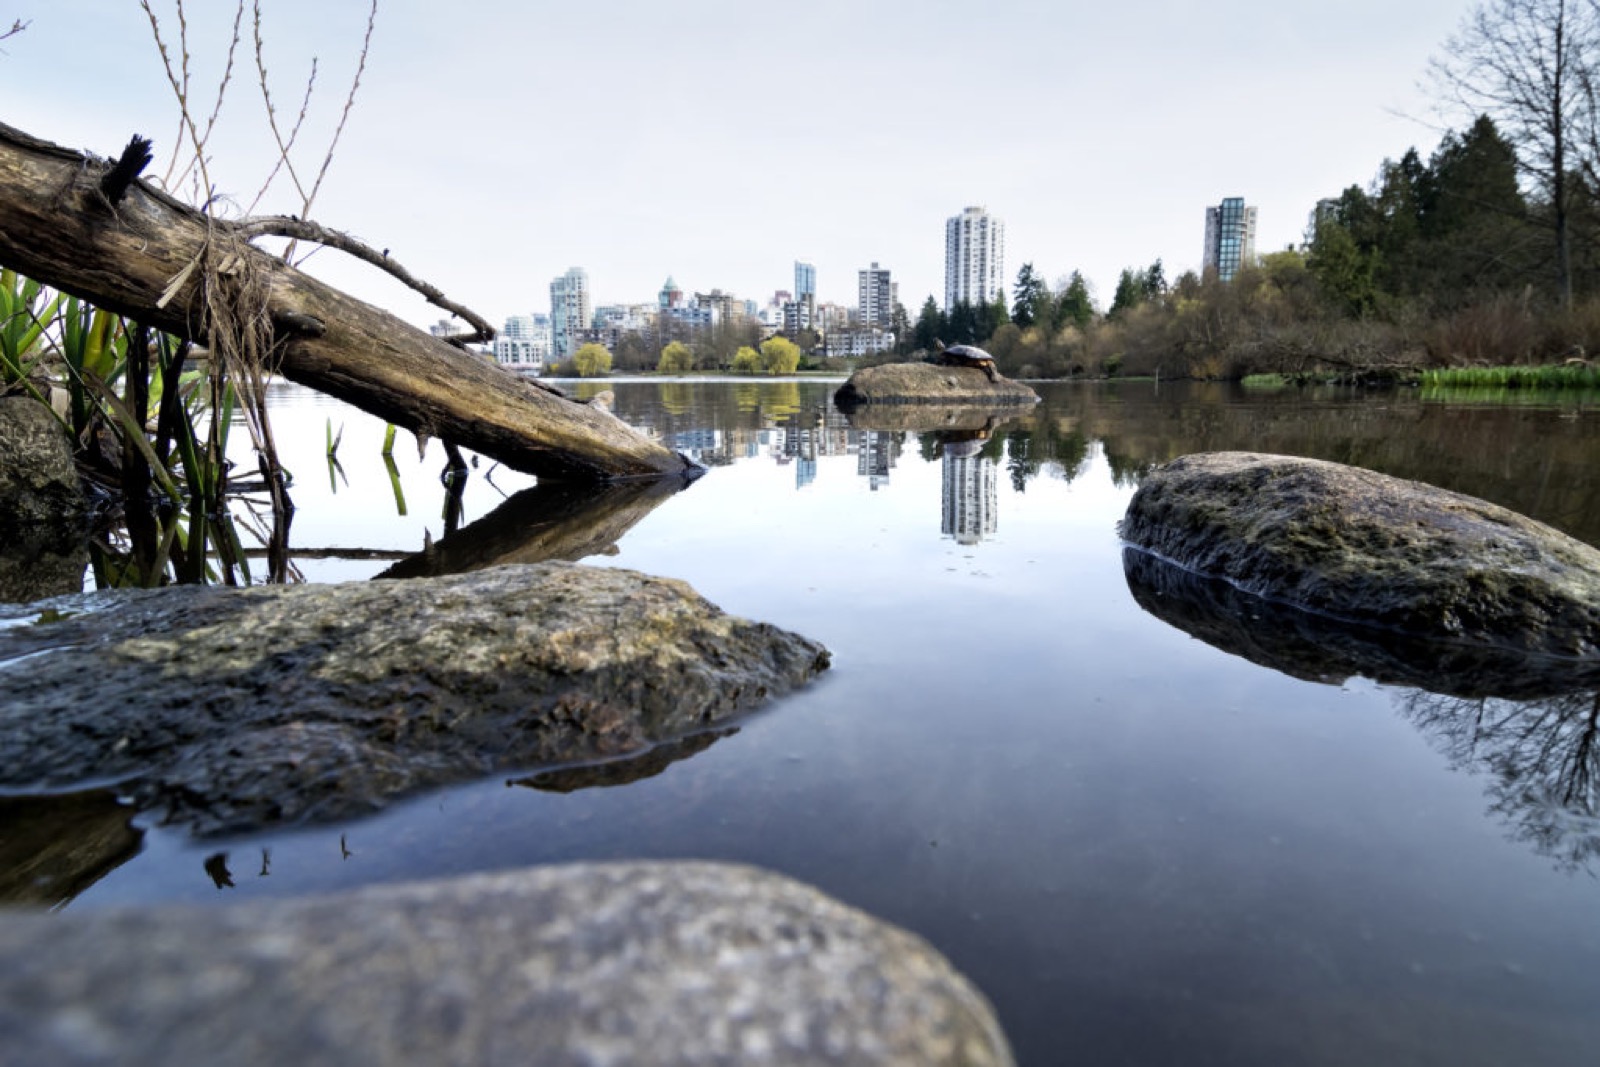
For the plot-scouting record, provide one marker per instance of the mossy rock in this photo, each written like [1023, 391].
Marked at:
[1368, 548]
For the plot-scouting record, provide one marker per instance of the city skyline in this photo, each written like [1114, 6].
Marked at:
[677, 145]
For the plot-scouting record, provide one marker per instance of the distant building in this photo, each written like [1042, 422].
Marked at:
[671, 295]
[974, 257]
[524, 343]
[1230, 237]
[875, 297]
[570, 312]
[805, 280]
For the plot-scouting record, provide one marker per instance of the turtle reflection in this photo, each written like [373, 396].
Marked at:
[1528, 725]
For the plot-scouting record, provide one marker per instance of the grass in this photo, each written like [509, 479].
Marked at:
[1550, 376]
[150, 432]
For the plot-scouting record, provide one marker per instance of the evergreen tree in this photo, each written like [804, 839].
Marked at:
[1076, 307]
[1153, 282]
[1029, 292]
[996, 315]
[931, 326]
[1130, 292]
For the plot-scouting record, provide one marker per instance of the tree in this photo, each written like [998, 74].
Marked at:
[592, 361]
[1076, 305]
[746, 361]
[996, 315]
[1153, 281]
[1030, 291]
[1531, 65]
[1130, 292]
[900, 323]
[779, 355]
[931, 326]
[1344, 271]
[676, 358]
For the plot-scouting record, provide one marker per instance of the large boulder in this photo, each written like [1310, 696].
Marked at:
[230, 709]
[1368, 548]
[928, 383]
[662, 963]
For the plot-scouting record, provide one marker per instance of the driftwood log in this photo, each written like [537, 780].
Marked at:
[84, 226]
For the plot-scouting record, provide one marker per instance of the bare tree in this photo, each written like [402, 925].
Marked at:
[1531, 66]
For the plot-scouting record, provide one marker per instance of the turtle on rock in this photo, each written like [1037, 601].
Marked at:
[965, 356]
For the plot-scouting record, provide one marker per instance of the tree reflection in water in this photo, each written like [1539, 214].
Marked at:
[1542, 759]
[1529, 725]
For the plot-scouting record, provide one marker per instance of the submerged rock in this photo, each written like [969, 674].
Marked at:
[1368, 548]
[928, 383]
[231, 709]
[663, 963]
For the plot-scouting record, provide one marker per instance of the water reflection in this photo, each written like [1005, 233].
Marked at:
[624, 771]
[969, 494]
[52, 848]
[554, 521]
[1529, 725]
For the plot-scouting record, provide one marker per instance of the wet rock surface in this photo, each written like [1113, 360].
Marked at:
[928, 383]
[38, 481]
[1316, 648]
[42, 505]
[229, 709]
[1371, 549]
[664, 963]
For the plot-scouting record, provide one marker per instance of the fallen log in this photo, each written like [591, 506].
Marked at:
[83, 226]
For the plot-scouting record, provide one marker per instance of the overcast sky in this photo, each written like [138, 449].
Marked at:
[495, 143]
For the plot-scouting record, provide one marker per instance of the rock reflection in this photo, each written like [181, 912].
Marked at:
[52, 848]
[547, 522]
[962, 437]
[1529, 724]
[623, 771]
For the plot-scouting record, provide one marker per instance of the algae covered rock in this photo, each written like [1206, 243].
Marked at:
[928, 383]
[662, 963]
[1368, 548]
[230, 709]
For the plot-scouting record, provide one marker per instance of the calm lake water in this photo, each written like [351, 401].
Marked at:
[1145, 846]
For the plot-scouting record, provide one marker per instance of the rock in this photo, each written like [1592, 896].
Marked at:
[1367, 548]
[38, 481]
[231, 709]
[1316, 648]
[43, 544]
[928, 383]
[662, 963]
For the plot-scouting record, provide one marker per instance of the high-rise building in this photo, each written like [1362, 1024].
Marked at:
[805, 280]
[570, 311]
[974, 257]
[875, 298]
[1230, 237]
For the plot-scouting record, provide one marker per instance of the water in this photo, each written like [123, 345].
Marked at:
[1143, 847]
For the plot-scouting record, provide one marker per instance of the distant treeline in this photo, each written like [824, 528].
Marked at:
[1443, 262]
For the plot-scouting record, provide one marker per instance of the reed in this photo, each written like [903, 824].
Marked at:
[1574, 375]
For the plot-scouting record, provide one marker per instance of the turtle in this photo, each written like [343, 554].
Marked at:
[965, 356]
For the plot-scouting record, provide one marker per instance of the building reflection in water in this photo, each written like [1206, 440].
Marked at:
[876, 454]
[970, 494]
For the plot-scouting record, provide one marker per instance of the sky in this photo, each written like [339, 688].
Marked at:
[493, 144]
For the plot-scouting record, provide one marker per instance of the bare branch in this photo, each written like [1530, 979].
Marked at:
[305, 230]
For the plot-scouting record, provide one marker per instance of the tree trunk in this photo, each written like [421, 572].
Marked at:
[58, 227]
